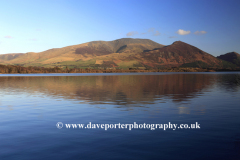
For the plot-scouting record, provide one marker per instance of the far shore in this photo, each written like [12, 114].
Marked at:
[35, 70]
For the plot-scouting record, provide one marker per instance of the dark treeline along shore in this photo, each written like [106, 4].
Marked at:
[6, 69]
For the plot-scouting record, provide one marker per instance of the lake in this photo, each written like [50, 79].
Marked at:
[37, 112]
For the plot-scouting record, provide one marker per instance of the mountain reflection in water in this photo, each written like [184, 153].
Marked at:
[119, 90]
[31, 105]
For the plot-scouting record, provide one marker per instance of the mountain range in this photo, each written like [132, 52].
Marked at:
[123, 53]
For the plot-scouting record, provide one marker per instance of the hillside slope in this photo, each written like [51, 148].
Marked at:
[87, 54]
[177, 54]
[8, 57]
[232, 57]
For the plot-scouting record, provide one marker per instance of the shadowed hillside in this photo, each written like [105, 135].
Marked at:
[177, 54]
[7, 57]
[232, 57]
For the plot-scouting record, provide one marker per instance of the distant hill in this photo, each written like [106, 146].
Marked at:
[179, 53]
[232, 57]
[120, 53]
[7, 57]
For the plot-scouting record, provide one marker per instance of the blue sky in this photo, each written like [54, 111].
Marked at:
[38, 25]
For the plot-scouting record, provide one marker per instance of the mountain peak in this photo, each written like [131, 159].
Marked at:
[232, 57]
[233, 53]
[179, 53]
[179, 43]
[229, 55]
[176, 42]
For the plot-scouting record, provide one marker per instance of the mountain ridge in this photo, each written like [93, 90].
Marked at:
[83, 52]
[119, 53]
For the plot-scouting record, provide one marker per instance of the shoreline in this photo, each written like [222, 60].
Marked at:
[127, 71]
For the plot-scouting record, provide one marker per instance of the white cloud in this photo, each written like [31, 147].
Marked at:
[182, 32]
[157, 33]
[200, 32]
[143, 33]
[132, 33]
[8, 37]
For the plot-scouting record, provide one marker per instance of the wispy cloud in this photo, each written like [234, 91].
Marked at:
[33, 39]
[8, 37]
[200, 32]
[132, 33]
[38, 29]
[172, 37]
[151, 29]
[157, 33]
[143, 33]
[182, 32]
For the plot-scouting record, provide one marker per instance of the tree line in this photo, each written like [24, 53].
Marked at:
[5, 69]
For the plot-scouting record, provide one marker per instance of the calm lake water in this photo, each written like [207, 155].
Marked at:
[32, 104]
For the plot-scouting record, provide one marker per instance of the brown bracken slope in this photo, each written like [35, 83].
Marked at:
[232, 57]
[177, 54]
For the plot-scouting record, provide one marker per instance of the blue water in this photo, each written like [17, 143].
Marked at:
[32, 104]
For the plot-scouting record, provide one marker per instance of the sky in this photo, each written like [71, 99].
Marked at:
[38, 25]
